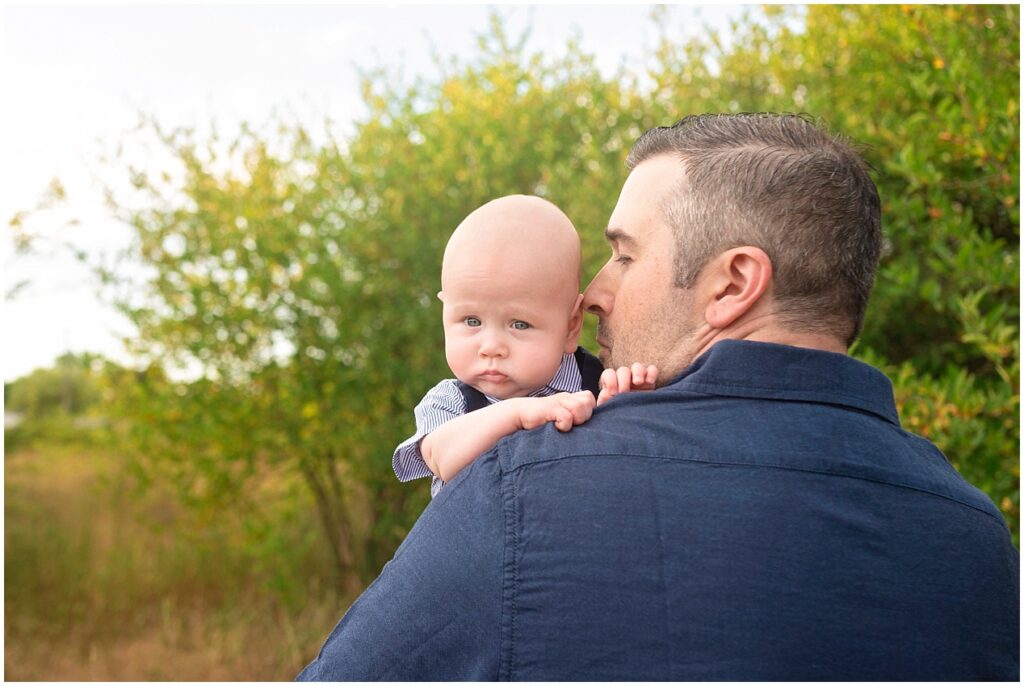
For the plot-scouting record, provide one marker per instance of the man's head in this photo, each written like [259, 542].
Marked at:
[510, 288]
[766, 226]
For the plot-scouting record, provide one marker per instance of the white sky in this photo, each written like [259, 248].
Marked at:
[74, 78]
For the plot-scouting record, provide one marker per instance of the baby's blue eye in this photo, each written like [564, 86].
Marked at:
[472, 321]
[520, 326]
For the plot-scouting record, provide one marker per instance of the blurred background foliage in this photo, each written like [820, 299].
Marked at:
[288, 324]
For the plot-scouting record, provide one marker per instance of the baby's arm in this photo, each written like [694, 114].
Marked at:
[624, 379]
[450, 447]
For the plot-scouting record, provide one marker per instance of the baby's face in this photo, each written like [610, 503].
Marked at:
[505, 334]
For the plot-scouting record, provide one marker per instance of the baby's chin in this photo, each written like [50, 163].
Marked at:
[503, 390]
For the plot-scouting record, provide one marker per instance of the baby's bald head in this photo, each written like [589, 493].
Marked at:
[517, 238]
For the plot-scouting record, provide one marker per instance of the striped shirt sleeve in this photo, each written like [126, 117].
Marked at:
[442, 403]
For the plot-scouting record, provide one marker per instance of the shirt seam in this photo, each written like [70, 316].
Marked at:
[844, 399]
[768, 466]
[510, 578]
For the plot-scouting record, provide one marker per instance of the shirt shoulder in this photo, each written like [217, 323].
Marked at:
[445, 397]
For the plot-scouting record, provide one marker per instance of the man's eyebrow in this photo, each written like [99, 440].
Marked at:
[615, 235]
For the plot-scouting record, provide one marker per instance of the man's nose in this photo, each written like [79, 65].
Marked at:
[598, 297]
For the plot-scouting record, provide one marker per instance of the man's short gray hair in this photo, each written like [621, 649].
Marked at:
[782, 183]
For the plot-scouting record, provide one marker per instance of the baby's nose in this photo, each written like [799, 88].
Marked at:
[492, 345]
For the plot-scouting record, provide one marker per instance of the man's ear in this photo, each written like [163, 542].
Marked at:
[575, 326]
[737, 279]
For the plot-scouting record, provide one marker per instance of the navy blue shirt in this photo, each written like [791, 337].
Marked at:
[763, 517]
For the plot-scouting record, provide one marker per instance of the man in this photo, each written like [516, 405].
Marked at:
[759, 516]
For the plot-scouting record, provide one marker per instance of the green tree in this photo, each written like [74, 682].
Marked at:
[297, 278]
[53, 403]
[68, 388]
[300, 278]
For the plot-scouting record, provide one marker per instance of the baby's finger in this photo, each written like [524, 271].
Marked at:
[563, 419]
[576, 404]
[609, 381]
[639, 374]
[582, 409]
[604, 397]
[652, 375]
[585, 398]
[624, 376]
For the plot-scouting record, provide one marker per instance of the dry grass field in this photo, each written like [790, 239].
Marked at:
[103, 583]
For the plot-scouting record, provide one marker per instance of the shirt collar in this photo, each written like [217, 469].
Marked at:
[752, 369]
[566, 380]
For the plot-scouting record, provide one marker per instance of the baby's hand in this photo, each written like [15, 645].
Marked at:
[626, 379]
[564, 409]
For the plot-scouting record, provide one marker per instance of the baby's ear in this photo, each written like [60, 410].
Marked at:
[440, 296]
[575, 326]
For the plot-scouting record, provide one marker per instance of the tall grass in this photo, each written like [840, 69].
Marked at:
[104, 583]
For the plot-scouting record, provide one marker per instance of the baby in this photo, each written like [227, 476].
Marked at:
[512, 317]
